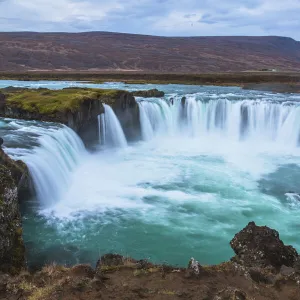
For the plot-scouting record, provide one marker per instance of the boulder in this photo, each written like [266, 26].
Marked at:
[194, 268]
[263, 276]
[260, 246]
[154, 93]
[287, 271]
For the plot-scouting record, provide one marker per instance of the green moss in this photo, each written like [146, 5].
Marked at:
[49, 102]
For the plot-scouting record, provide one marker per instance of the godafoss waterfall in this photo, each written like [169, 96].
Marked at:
[209, 160]
[110, 131]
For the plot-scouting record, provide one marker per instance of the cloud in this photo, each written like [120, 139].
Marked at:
[159, 17]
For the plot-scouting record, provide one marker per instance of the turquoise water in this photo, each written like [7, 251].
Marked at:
[174, 196]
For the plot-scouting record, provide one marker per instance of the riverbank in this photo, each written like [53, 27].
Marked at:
[271, 81]
[263, 268]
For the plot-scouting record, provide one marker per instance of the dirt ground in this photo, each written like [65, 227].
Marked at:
[136, 280]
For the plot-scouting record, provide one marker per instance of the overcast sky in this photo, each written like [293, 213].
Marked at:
[158, 17]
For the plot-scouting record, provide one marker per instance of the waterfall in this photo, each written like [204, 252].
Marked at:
[51, 163]
[155, 117]
[110, 131]
[238, 120]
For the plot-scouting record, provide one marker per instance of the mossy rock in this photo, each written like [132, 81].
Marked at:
[154, 93]
[49, 102]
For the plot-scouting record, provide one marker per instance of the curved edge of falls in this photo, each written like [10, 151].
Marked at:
[236, 120]
[51, 163]
[60, 150]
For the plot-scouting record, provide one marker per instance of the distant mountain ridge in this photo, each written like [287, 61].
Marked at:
[106, 51]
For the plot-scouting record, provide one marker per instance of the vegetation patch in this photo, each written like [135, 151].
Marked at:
[49, 102]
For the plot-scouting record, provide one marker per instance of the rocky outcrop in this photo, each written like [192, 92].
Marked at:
[154, 93]
[127, 111]
[77, 108]
[194, 268]
[14, 180]
[80, 118]
[19, 173]
[260, 246]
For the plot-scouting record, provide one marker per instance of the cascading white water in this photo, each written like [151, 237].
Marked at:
[207, 176]
[236, 120]
[51, 164]
[155, 117]
[110, 131]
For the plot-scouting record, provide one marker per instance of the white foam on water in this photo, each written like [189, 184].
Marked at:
[52, 163]
[195, 178]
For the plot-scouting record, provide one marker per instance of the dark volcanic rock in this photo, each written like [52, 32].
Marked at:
[11, 243]
[2, 101]
[127, 111]
[257, 246]
[154, 93]
[14, 180]
[80, 113]
[261, 275]
[287, 271]
[297, 265]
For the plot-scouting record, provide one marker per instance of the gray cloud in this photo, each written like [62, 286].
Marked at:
[159, 17]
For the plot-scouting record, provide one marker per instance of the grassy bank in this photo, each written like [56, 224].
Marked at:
[236, 78]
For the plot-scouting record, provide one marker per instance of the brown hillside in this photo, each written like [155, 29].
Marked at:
[103, 51]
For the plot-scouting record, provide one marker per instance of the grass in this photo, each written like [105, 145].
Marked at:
[53, 269]
[49, 102]
[41, 293]
[26, 286]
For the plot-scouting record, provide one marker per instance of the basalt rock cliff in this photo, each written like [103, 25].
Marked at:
[77, 108]
[14, 183]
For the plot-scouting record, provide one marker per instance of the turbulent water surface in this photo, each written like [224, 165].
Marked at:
[205, 166]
